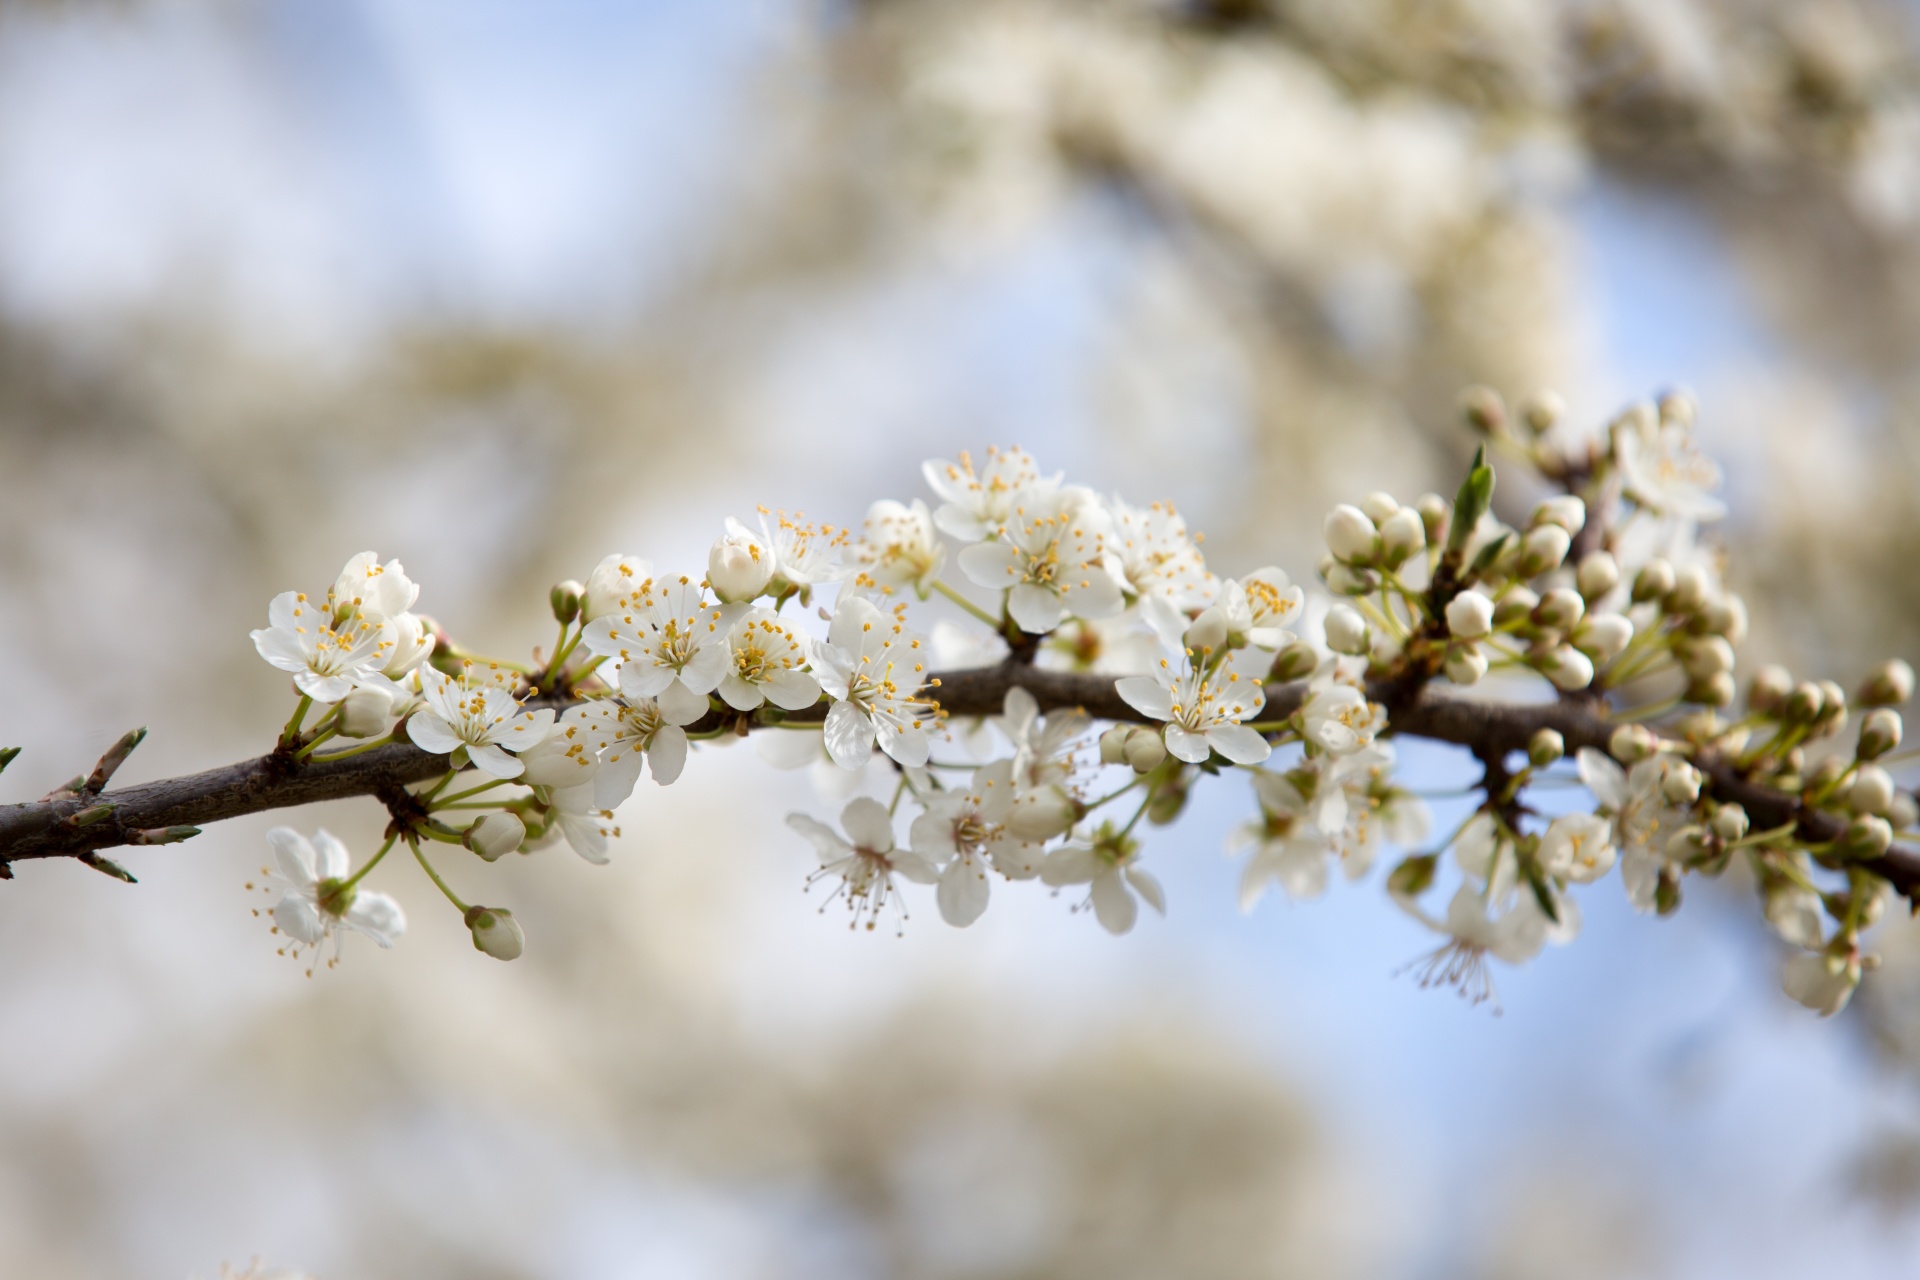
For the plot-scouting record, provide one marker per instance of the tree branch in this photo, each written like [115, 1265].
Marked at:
[144, 814]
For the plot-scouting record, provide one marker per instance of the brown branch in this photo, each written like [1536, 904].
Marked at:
[144, 814]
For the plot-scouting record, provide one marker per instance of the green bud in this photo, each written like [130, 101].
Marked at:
[1653, 582]
[565, 600]
[1113, 744]
[1413, 876]
[1295, 662]
[496, 932]
[1880, 733]
[1473, 500]
[1483, 410]
[1666, 892]
[1804, 704]
[1769, 689]
[1632, 743]
[1168, 801]
[1867, 836]
[1546, 746]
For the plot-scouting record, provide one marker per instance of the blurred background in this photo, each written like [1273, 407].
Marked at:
[498, 289]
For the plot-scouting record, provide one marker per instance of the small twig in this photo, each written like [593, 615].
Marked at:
[110, 762]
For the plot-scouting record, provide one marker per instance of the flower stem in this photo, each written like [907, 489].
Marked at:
[319, 738]
[292, 731]
[364, 747]
[1115, 795]
[372, 862]
[968, 605]
[472, 791]
[434, 876]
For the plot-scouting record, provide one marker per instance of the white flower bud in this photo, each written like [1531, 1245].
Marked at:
[1378, 506]
[1145, 750]
[1043, 813]
[1821, 982]
[496, 835]
[1867, 836]
[1598, 574]
[1632, 743]
[496, 932]
[1730, 822]
[1880, 733]
[1545, 747]
[1465, 665]
[1566, 512]
[1346, 630]
[1872, 790]
[1890, 685]
[1677, 407]
[1113, 744]
[1344, 580]
[1703, 657]
[364, 712]
[1653, 582]
[1469, 615]
[1350, 535]
[1560, 609]
[1771, 686]
[1543, 550]
[1517, 604]
[1602, 636]
[1436, 515]
[1296, 660]
[1728, 619]
[412, 642]
[1805, 703]
[1681, 785]
[1208, 634]
[1716, 690]
[1688, 843]
[1567, 668]
[611, 581]
[738, 567]
[1904, 812]
[1541, 410]
[1689, 593]
[1402, 534]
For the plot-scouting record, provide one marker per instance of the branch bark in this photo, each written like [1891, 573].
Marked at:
[47, 828]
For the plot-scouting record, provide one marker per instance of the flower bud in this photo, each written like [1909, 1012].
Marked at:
[496, 932]
[1879, 733]
[1294, 662]
[1208, 632]
[1904, 812]
[1344, 580]
[1043, 813]
[1703, 656]
[564, 599]
[1567, 668]
[1867, 836]
[1465, 665]
[1543, 550]
[1805, 703]
[1346, 631]
[1666, 892]
[1169, 801]
[1826, 773]
[414, 638]
[1413, 876]
[1688, 843]
[1402, 535]
[1541, 410]
[1436, 516]
[1598, 574]
[1560, 609]
[1545, 747]
[1350, 535]
[1469, 615]
[738, 567]
[1603, 636]
[1517, 604]
[1484, 410]
[1632, 743]
[1677, 407]
[1653, 582]
[1769, 689]
[610, 582]
[1378, 506]
[1567, 512]
[1730, 822]
[1689, 592]
[1716, 690]
[364, 712]
[1727, 619]
[1872, 790]
[1145, 750]
[1890, 685]
[1833, 708]
[1113, 744]
[496, 835]
[1681, 784]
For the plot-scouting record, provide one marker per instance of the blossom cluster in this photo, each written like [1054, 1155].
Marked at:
[1605, 597]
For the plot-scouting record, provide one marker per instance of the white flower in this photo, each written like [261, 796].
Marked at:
[1050, 558]
[803, 555]
[316, 904]
[1663, 470]
[1120, 645]
[567, 757]
[477, 712]
[1795, 914]
[1347, 631]
[613, 580]
[965, 833]
[625, 731]
[1643, 819]
[1820, 981]
[670, 642]
[585, 823]
[1262, 607]
[378, 591]
[768, 664]
[900, 547]
[1042, 745]
[329, 653]
[1203, 709]
[865, 861]
[1157, 557]
[739, 567]
[1289, 846]
[1514, 935]
[1337, 717]
[978, 506]
[1578, 847]
[1108, 868]
[872, 668]
[412, 642]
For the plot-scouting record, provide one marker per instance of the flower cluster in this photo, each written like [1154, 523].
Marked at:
[1605, 599]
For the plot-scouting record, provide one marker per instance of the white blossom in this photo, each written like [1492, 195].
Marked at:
[1643, 819]
[1108, 867]
[1475, 931]
[612, 581]
[670, 642]
[582, 820]
[975, 506]
[476, 712]
[1042, 745]
[965, 834]
[329, 654]
[1203, 708]
[804, 555]
[1578, 847]
[1821, 981]
[1337, 716]
[316, 903]
[872, 667]
[378, 591]
[1157, 557]
[900, 547]
[1289, 844]
[625, 731]
[568, 756]
[864, 861]
[739, 567]
[1261, 608]
[1050, 559]
[768, 664]
[1662, 469]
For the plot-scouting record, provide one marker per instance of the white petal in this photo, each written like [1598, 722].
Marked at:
[681, 705]
[378, 916]
[792, 690]
[430, 733]
[668, 754]
[738, 694]
[990, 564]
[614, 783]
[849, 736]
[1147, 696]
[293, 854]
[1182, 745]
[299, 919]
[1113, 906]
[1036, 609]
[491, 759]
[1148, 888]
[868, 824]
[1237, 743]
[331, 861]
[963, 892]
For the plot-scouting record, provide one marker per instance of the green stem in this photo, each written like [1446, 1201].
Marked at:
[364, 747]
[1115, 795]
[433, 875]
[967, 604]
[472, 791]
[1138, 814]
[372, 862]
[292, 731]
[318, 738]
[562, 650]
[438, 787]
